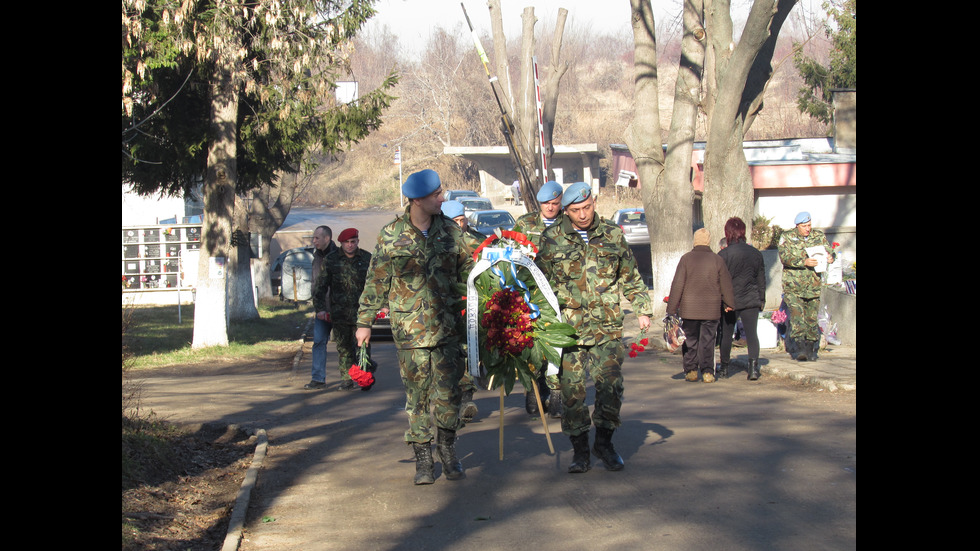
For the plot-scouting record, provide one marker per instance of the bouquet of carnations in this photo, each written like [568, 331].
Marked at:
[778, 317]
[513, 320]
[363, 371]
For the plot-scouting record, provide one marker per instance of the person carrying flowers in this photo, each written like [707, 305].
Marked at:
[418, 267]
[588, 263]
[804, 253]
[533, 225]
[342, 280]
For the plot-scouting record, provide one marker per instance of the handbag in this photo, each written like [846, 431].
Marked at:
[673, 334]
[362, 372]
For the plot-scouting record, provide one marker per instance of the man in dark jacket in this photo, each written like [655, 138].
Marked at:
[748, 271]
[322, 245]
[701, 287]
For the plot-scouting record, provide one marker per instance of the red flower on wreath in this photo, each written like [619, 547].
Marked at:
[508, 322]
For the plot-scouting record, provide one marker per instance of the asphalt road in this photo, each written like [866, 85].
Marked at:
[736, 464]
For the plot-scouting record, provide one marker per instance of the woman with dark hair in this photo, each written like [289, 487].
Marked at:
[748, 271]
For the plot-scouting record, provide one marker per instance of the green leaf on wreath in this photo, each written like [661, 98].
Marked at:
[551, 354]
[560, 327]
[509, 383]
[535, 355]
[556, 339]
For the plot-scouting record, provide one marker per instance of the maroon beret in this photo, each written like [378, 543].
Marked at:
[349, 233]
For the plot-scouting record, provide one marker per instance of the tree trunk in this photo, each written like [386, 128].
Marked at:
[241, 294]
[646, 146]
[549, 89]
[523, 110]
[270, 206]
[210, 304]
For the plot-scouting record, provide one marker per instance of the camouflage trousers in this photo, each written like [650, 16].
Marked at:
[604, 363]
[466, 382]
[348, 353]
[802, 314]
[431, 377]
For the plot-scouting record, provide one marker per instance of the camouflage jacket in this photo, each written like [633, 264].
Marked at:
[798, 279]
[418, 278]
[532, 225]
[343, 279]
[588, 278]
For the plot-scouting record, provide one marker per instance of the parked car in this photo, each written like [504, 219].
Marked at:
[484, 221]
[292, 274]
[633, 222]
[455, 194]
[473, 204]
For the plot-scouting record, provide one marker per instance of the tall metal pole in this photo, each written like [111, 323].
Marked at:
[537, 95]
[398, 161]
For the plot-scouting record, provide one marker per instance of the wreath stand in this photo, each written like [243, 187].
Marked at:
[544, 421]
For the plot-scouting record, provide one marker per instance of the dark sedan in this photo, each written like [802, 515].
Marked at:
[485, 221]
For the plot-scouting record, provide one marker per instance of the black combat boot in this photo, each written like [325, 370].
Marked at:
[580, 458]
[423, 463]
[555, 407]
[814, 347]
[468, 408]
[604, 450]
[446, 444]
[753, 370]
[530, 402]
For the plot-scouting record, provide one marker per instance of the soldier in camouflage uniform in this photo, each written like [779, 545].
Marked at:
[802, 284]
[417, 270]
[533, 225]
[472, 238]
[588, 264]
[342, 279]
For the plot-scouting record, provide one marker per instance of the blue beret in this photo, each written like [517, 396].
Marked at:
[420, 184]
[549, 191]
[576, 193]
[452, 209]
[802, 218]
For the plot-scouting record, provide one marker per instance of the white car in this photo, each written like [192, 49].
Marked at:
[633, 222]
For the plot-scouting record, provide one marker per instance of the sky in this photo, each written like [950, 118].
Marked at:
[412, 20]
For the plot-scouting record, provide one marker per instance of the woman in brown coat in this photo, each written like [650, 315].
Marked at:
[701, 287]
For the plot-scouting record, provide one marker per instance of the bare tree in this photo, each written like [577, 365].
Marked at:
[735, 79]
[726, 81]
[523, 104]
